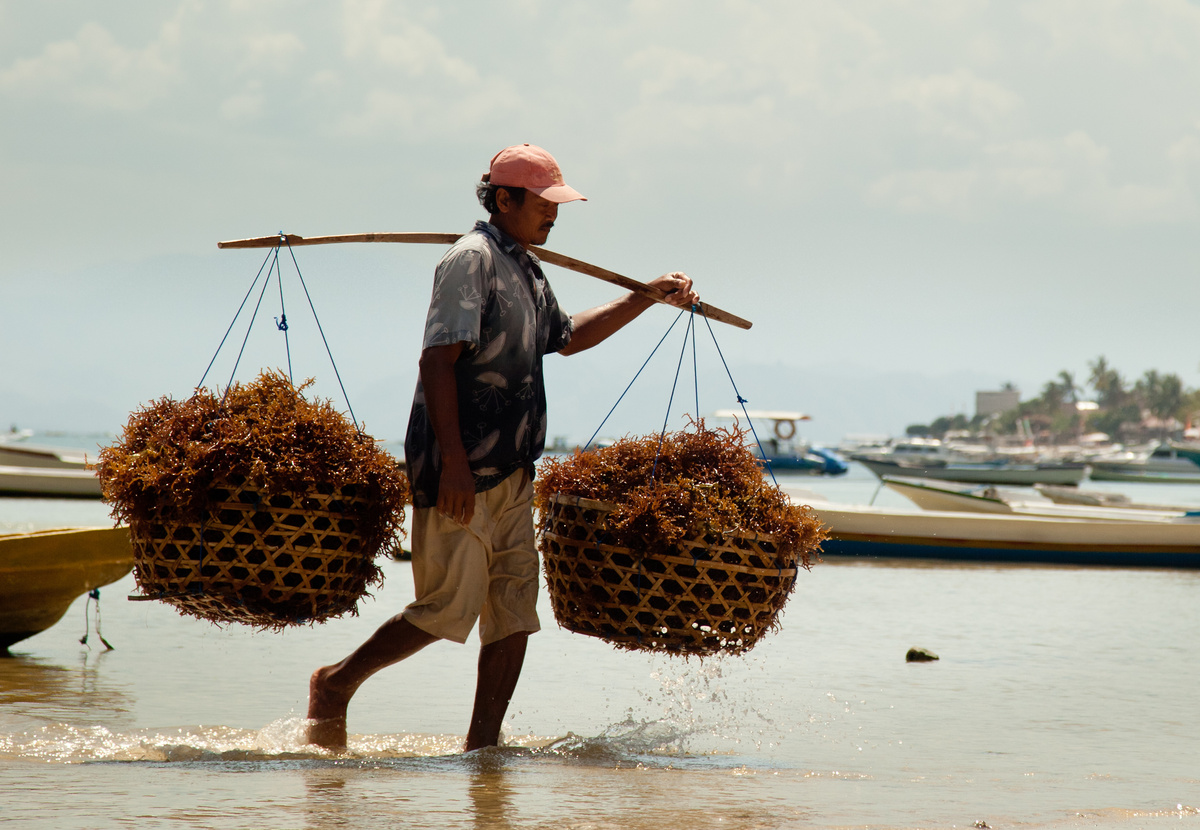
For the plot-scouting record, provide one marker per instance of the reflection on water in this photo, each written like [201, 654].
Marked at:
[35, 692]
[522, 787]
[490, 792]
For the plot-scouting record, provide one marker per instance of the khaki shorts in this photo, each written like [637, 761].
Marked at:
[486, 571]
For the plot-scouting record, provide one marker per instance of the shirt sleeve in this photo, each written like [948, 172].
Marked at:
[459, 291]
[561, 324]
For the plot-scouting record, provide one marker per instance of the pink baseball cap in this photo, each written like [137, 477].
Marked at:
[530, 167]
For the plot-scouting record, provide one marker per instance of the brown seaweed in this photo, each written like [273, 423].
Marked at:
[699, 482]
[171, 455]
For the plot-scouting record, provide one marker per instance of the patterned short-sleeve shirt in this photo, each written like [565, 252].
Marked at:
[489, 293]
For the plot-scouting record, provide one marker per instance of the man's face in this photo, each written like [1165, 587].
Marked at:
[529, 222]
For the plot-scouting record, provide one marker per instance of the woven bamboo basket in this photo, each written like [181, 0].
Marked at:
[711, 596]
[265, 560]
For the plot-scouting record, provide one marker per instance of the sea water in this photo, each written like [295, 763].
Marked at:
[1064, 697]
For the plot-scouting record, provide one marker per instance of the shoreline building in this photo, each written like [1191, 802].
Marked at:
[993, 403]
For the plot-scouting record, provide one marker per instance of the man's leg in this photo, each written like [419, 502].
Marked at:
[499, 668]
[331, 687]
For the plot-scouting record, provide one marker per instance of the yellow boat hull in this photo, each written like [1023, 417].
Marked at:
[43, 572]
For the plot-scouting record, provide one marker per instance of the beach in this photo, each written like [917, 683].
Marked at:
[1064, 697]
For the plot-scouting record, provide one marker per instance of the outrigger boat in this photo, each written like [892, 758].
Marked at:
[883, 532]
[929, 494]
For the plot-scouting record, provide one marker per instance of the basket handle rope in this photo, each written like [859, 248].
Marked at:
[271, 264]
[631, 382]
[742, 403]
[691, 329]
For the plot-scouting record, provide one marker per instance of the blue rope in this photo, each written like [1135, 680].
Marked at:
[281, 321]
[691, 329]
[678, 368]
[235, 317]
[635, 377]
[328, 351]
[741, 401]
[250, 327]
[695, 370]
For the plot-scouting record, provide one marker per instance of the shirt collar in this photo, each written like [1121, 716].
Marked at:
[507, 244]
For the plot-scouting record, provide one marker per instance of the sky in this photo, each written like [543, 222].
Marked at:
[911, 201]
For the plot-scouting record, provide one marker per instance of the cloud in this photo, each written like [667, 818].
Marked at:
[93, 70]
[378, 33]
[246, 104]
[958, 105]
[397, 75]
[1071, 174]
[418, 114]
[1128, 31]
[273, 51]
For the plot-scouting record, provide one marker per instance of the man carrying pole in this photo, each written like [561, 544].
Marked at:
[478, 425]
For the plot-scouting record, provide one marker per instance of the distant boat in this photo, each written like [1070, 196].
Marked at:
[857, 530]
[931, 458]
[19, 453]
[1000, 471]
[929, 494]
[782, 450]
[43, 572]
[1188, 450]
[44, 471]
[1097, 498]
[49, 482]
[1163, 463]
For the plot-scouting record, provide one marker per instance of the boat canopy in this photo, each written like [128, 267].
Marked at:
[763, 414]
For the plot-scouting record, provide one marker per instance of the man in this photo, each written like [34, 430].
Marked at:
[477, 426]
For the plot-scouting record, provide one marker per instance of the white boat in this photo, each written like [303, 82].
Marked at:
[1162, 463]
[929, 494]
[19, 453]
[53, 482]
[43, 572]
[858, 530]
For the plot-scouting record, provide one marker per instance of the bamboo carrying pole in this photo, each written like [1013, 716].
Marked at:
[561, 260]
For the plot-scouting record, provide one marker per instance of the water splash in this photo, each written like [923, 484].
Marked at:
[715, 715]
[628, 743]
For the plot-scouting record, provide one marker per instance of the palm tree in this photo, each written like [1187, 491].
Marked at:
[1161, 395]
[1051, 399]
[1066, 382]
[1107, 383]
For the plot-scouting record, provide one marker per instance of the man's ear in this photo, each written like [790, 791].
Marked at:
[504, 200]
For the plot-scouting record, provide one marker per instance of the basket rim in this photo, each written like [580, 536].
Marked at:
[582, 501]
[608, 507]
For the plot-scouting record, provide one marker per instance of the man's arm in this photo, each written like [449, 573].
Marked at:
[596, 324]
[456, 488]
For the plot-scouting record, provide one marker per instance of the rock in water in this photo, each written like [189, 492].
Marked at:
[920, 655]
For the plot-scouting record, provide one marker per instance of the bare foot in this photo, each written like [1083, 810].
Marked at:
[326, 712]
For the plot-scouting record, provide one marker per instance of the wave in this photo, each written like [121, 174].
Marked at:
[629, 743]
